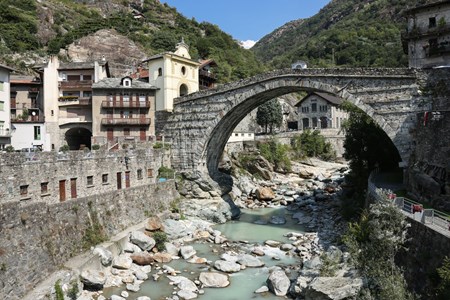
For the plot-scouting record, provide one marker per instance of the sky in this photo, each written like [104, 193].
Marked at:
[247, 20]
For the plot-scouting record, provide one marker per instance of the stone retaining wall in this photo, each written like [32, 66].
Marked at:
[35, 240]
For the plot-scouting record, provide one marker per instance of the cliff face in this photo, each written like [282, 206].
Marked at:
[121, 53]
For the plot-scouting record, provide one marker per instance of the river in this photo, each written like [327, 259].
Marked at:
[245, 233]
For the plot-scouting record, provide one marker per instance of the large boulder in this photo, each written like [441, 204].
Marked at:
[187, 252]
[142, 258]
[93, 280]
[123, 262]
[104, 254]
[333, 288]
[142, 240]
[250, 261]
[278, 283]
[227, 266]
[153, 224]
[265, 194]
[214, 280]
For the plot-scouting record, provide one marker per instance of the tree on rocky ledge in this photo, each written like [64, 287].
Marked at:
[269, 115]
[373, 243]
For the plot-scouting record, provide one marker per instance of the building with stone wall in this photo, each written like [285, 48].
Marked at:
[57, 177]
[123, 110]
[175, 74]
[320, 111]
[427, 39]
[5, 117]
[68, 100]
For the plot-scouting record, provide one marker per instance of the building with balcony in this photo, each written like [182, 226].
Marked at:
[206, 75]
[27, 113]
[175, 74]
[320, 111]
[123, 109]
[427, 38]
[68, 100]
[5, 115]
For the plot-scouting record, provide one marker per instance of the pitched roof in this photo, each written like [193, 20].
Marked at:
[80, 65]
[115, 83]
[6, 67]
[24, 79]
[326, 96]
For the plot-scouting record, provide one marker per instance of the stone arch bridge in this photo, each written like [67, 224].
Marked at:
[202, 122]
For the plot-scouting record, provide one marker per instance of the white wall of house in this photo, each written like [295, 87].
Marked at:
[241, 137]
[316, 110]
[30, 135]
[5, 113]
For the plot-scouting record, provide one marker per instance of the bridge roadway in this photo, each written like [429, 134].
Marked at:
[202, 122]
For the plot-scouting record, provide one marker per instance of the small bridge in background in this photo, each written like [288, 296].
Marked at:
[202, 122]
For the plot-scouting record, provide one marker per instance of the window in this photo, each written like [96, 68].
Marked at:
[139, 174]
[44, 187]
[37, 133]
[142, 97]
[1, 86]
[73, 77]
[432, 22]
[110, 97]
[314, 107]
[105, 178]
[183, 70]
[90, 180]
[126, 131]
[23, 190]
[160, 72]
[52, 112]
[183, 90]
[2, 106]
[87, 77]
[150, 173]
[314, 122]
[87, 94]
[126, 97]
[305, 109]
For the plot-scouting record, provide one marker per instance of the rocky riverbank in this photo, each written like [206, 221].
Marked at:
[309, 195]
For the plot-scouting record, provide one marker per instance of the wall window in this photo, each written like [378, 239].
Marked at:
[90, 180]
[73, 77]
[44, 187]
[314, 122]
[37, 133]
[183, 90]
[305, 109]
[139, 174]
[160, 72]
[432, 22]
[142, 97]
[23, 190]
[2, 106]
[105, 178]
[126, 131]
[126, 96]
[1, 86]
[150, 173]
[87, 77]
[183, 70]
[314, 107]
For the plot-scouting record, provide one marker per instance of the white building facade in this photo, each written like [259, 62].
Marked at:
[5, 114]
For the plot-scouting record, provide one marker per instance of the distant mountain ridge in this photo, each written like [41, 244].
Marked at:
[358, 33]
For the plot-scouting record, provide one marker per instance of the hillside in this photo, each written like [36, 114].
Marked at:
[358, 33]
[30, 30]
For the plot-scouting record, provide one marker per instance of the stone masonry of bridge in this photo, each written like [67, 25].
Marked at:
[202, 122]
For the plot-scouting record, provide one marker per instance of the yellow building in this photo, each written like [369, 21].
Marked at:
[174, 73]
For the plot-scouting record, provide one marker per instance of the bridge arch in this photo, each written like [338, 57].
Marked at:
[202, 122]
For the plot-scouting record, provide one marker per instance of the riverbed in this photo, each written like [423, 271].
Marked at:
[243, 234]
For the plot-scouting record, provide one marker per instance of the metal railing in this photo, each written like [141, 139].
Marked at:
[125, 121]
[126, 104]
[434, 219]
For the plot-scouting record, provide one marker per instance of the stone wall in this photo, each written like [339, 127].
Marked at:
[36, 239]
[425, 253]
[22, 176]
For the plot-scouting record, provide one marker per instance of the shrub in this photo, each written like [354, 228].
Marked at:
[9, 148]
[64, 148]
[95, 147]
[277, 154]
[160, 238]
[165, 172]
[444, 275]
[312, 144]
[58, 290]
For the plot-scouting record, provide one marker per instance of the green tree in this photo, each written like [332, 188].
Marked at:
[373, 243]
[269, 115]
[312, 144]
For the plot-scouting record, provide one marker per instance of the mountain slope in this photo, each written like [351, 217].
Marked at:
[31, 29]
[359, 33]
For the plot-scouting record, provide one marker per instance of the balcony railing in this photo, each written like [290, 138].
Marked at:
[417, 32]
[125, 121]
[126, 104]
[74, 101]
[207, 74]
[75, 84]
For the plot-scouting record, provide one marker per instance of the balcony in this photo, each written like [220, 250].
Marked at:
[438, 50]
[126, 104]
[126, 121]
[74, 101]
[206, 74]
[75, 84]
[416, 32]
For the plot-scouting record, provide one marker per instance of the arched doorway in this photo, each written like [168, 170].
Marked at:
[183, 90]
[323, 122]
[78, 138]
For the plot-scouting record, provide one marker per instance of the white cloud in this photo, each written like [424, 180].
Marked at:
[248, 44]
